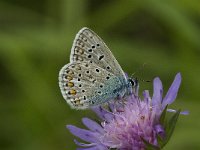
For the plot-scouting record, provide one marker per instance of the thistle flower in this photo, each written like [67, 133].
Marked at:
[133, 124]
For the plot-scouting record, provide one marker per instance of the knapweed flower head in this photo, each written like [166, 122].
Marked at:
[133, 123]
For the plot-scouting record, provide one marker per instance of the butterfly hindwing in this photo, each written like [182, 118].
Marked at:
[84, 84]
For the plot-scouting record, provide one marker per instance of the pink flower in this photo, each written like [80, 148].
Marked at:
[133, 123]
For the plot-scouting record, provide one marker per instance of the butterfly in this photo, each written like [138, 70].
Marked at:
[93, 76]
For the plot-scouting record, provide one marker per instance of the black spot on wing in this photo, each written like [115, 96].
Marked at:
[101, 57]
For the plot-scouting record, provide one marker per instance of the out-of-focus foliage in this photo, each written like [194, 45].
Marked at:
[35, 42]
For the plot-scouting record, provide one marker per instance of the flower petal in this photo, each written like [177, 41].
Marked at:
[89, 148]
[157, 92]
[97, 147]
[83, 144]
[92, 125]
[102, 113]
[186, 112]
[172, 92]
[147, 97]
[83, 134]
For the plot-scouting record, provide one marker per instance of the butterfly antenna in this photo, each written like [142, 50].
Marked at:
[143, 80]
[140, 70]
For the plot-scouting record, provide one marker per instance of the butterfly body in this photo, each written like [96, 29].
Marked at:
[93, 75]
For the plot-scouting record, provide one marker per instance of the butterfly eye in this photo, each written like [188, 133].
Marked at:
[90, 50]
[133, 82]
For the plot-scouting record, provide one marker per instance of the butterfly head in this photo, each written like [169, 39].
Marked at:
[133, 82]
[133, 85]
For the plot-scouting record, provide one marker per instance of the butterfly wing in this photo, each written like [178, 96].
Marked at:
[89, 47]
[83, 84]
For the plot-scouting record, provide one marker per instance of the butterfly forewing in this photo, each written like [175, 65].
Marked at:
[89, 47]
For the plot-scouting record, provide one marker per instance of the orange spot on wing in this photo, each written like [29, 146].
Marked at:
[72, 92]
[70, 84]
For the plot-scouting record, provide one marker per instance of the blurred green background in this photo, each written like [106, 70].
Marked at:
[35, 42]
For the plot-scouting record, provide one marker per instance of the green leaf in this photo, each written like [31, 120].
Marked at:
[160, 141]
[149, 146]
[162, 117]
[170, 127]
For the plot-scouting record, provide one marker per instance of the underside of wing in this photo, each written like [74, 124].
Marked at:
[83, 85]
[89, 47]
